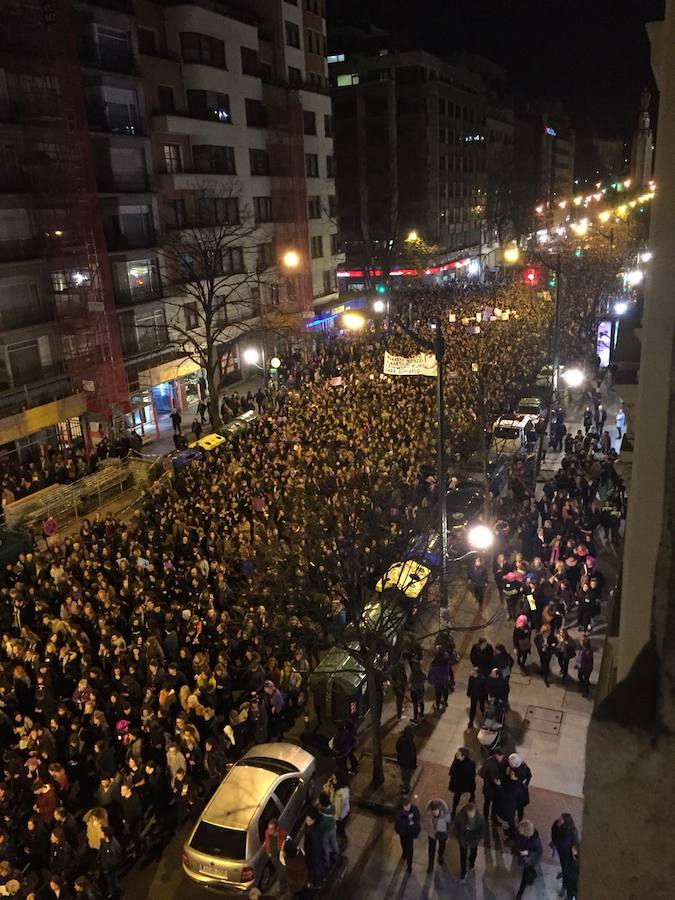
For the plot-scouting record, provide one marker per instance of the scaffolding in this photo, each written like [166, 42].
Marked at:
[39, 52]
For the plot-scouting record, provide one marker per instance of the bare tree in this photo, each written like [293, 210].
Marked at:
[213, 281]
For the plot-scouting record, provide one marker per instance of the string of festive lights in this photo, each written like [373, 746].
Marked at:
[585, 200]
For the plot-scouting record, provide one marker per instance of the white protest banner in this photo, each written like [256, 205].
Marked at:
[421, 364]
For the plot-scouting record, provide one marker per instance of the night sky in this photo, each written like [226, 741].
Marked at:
[593, 55]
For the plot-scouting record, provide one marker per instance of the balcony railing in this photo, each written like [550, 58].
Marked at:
[123, 184]
[25, 316]
[99, 56]
[54, 384]
[23, 248]
[100, 120]
[116, 241]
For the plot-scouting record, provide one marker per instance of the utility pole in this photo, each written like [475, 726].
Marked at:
[555, 367]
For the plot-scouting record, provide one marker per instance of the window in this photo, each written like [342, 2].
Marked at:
[271, 811]
[260, 162]
[311, 165]
[328, 282]
[336, 58]
[262, 209]
[285, 790]
[209, 105]
[317, 246]
[314, 207]
[294, 75]
[249, 62]
[24, 362]
[178, 213]
[328, 126]
[292, 35]
[200, 48]
[348, 80]
[232, 261]
[166, 99]
[330, 167]
[309, 121]
[332, 206]
[334, 244]
[218, 210]
[255, 113]
[191, 316]
[173, 161]
[441, 106]
[226, 842]
[264, 254]
[147, 40]
[137, 280]
[210, 158]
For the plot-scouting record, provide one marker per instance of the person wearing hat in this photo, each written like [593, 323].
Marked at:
[524, 777]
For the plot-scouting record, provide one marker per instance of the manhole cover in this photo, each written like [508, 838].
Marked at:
[546, 721]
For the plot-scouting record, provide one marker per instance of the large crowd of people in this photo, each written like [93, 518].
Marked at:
[140, 657]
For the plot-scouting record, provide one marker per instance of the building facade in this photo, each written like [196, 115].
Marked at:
[410, 146]
[544, 143]
[182, 105]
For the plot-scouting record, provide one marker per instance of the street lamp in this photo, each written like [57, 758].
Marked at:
[379, 306]
[251, 356]
[291, 259]
[412, 237]
[480, 537]
[275, 362]
[580, 228]
[511, 254]
[620, 307]
[573, 377]
[353, 321]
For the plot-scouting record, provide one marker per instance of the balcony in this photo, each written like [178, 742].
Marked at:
[21, 249]
[135, 240]
[26, 316]
[53, 384]
[102, 120]
[14, 183]
[98, 56]
[127, 183]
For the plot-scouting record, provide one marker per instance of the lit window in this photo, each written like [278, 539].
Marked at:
[348, 80]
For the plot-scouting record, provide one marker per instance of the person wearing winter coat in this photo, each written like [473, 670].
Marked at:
[564, 836]
[584, 663]
[528, 848]
[522, 641]
[508, 796]
[297, 871]
[478, 579]
[398, 678]
[407, 827]
[492, 771]
[110, 860]
[476, 691]
[439, 677]
[482, 654]
[543, 641]
[341, 801]
[275, 838]
[406, 757]
[328, 830]
[524, 776]
[468, 825]
[418, 680]
[570, 875]
[565, 650]
[437, 823]
[462, 778]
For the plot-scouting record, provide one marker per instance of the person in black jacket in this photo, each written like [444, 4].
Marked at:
[508, 794]
[544, 642]
[406, 757]
[564, 836]
[462, 778]
[131, 814]
[524, 776]
[528, 848]
[522, 641]
[476, 692]
[110, 860]
[478, 578]
[482, 654]
[61, 855]
[407, 827]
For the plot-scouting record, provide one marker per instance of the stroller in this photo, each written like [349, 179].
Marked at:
[491, 730]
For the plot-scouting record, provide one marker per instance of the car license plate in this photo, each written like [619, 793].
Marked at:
[212, 869]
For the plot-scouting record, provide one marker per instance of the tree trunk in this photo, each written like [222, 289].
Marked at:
[375, 733]
[213, 383]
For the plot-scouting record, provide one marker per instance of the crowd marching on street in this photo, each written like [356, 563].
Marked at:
[139, 658]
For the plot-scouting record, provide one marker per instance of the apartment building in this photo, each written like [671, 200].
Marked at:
[411, 144]
[187, 104]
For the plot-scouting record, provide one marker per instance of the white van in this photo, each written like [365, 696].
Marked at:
[509, 435]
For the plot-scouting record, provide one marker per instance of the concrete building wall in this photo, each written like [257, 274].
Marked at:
[630, 779]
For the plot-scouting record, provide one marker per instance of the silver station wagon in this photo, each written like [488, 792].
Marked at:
[226, 849]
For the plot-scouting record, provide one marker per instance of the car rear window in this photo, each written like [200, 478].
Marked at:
[529, 408]
[214, 840]
[278, 766]
[504, 433]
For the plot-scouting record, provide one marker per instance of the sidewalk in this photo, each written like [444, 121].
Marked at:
[157, 446]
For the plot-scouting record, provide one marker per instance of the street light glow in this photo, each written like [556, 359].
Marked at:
[251, 356]
[634, 277]
[480, 537]
[573, 377]
[353, 321]
[646, 256]
[511, 254]
[291, 259]
[620, 307]
[604, 215]
[275, 362]
[580, 228]
[412, 236]
[379, 306]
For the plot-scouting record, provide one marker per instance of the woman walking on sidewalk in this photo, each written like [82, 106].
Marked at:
[529, 850]
[462, 778]
[468, 826]
[438, 822]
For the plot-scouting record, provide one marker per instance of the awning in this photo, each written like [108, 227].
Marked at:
[169, 371]
[23, 424]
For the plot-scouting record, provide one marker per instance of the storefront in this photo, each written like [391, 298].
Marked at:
[60, 423]
[325, 319]
[162, 390]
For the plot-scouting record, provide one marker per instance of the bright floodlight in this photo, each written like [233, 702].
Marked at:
[379, 306]
[573, 377]
[634, 277]
[480, 537]
[251, 356]
[511, 254]
[353, 321]
[620, 307]
[291, 259]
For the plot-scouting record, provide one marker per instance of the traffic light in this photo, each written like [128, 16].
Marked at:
[530, 276]
[578, 252]
[381, 289]
[551, 280]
